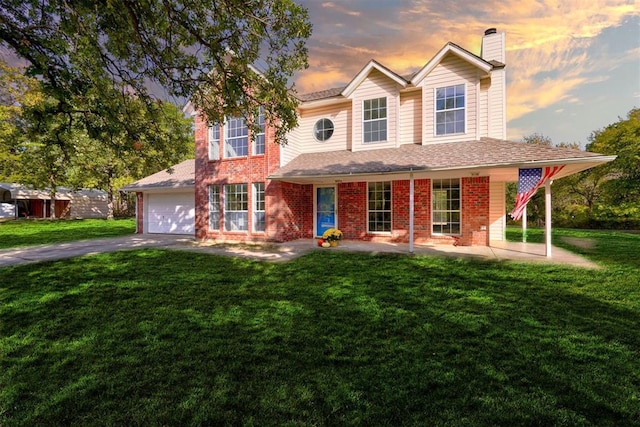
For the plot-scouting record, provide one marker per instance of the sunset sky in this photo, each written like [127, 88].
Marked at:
[572, 66]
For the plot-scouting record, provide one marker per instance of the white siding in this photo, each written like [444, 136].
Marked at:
[497, 105]
[411, 117]
[291, 149]
[339, 114]
[7, 210]
[484, 107]
[376, 85]
[451, 71]
[497, 211]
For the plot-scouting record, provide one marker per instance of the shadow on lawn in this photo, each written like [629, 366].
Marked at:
[159, 337]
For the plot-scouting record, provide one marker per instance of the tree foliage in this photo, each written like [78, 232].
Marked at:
[205, 50]
[46, 148]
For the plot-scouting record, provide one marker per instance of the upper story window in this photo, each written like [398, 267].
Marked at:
[214, 142]
[450, 112]
[236, 141]
[323, 129]
[374, 123]
[258, 143]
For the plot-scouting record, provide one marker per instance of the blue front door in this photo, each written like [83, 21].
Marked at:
[325, 209]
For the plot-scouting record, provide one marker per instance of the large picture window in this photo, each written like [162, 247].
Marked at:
[236, 205]
[214, 207]
[374, 124]
[236, 142]
[446, 206]
[258, 143]
[450, 105]
[379, 200]
[258, 207]
[214, 142]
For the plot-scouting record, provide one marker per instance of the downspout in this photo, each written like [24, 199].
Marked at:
[524, 224]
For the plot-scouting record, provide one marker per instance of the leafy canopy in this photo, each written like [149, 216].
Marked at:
[204, 49]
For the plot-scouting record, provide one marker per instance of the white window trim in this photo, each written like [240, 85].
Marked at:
[217, 225]
[214, 149]
[386, 119]
[254, 207]
[227, 138]
[435, 112]
[227, 211]
[263, 133]
[460, 210]
[391, 211]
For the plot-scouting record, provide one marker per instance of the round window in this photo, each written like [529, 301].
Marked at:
[323, 129]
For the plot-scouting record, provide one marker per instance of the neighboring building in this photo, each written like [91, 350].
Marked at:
[417, 158]
[19, 201]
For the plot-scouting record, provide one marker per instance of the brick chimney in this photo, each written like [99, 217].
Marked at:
[493, 46]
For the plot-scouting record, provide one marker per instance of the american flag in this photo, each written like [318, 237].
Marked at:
[529, 180]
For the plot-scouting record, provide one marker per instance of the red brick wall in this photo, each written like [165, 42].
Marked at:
[352, 209]
[475, 211]
[283, 202]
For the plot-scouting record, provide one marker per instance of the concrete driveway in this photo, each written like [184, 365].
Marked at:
[56, 251]
[504, 251]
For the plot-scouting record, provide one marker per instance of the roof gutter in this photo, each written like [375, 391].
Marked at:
[526, 164]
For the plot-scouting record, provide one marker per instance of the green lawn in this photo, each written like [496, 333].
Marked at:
[155, 337]
[18, 233]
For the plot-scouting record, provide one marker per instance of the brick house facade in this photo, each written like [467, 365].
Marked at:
[362, 153]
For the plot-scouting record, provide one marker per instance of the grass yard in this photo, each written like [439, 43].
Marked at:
[158, 337]
[24, 232]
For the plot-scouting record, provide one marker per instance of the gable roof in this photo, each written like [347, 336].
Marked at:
[182, 175]
[459, 52]
[487, 152]
[362, 75]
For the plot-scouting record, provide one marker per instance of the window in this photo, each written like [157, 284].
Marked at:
[323, 129]
[374, 125]
[380, 206]
[258, 143]
[446, 206]
[258, 207]
[214, 142]
[235, 207]
[214, 207]
[450, 110]
[236, 140]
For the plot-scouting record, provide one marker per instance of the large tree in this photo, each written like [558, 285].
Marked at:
[16, 92]
[227, 56]
[621, 185]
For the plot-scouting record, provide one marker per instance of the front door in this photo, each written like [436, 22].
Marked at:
[325, 209]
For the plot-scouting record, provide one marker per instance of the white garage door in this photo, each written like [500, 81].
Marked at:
[172, 213]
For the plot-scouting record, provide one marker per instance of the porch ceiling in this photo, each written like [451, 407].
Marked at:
[498, 159]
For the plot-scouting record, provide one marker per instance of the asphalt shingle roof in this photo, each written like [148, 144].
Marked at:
[182, 176]
[322, 94]
[483, 153]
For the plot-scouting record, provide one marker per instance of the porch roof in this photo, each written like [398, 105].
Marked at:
[487, 156]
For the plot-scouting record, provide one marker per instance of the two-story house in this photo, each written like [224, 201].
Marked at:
[414, 158]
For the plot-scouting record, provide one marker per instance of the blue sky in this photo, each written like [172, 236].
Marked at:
[572, 66]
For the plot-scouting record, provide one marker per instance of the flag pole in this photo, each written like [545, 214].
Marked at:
[524, 224]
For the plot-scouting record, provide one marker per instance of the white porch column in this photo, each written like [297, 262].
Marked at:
[547, 217]
[411, 212]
